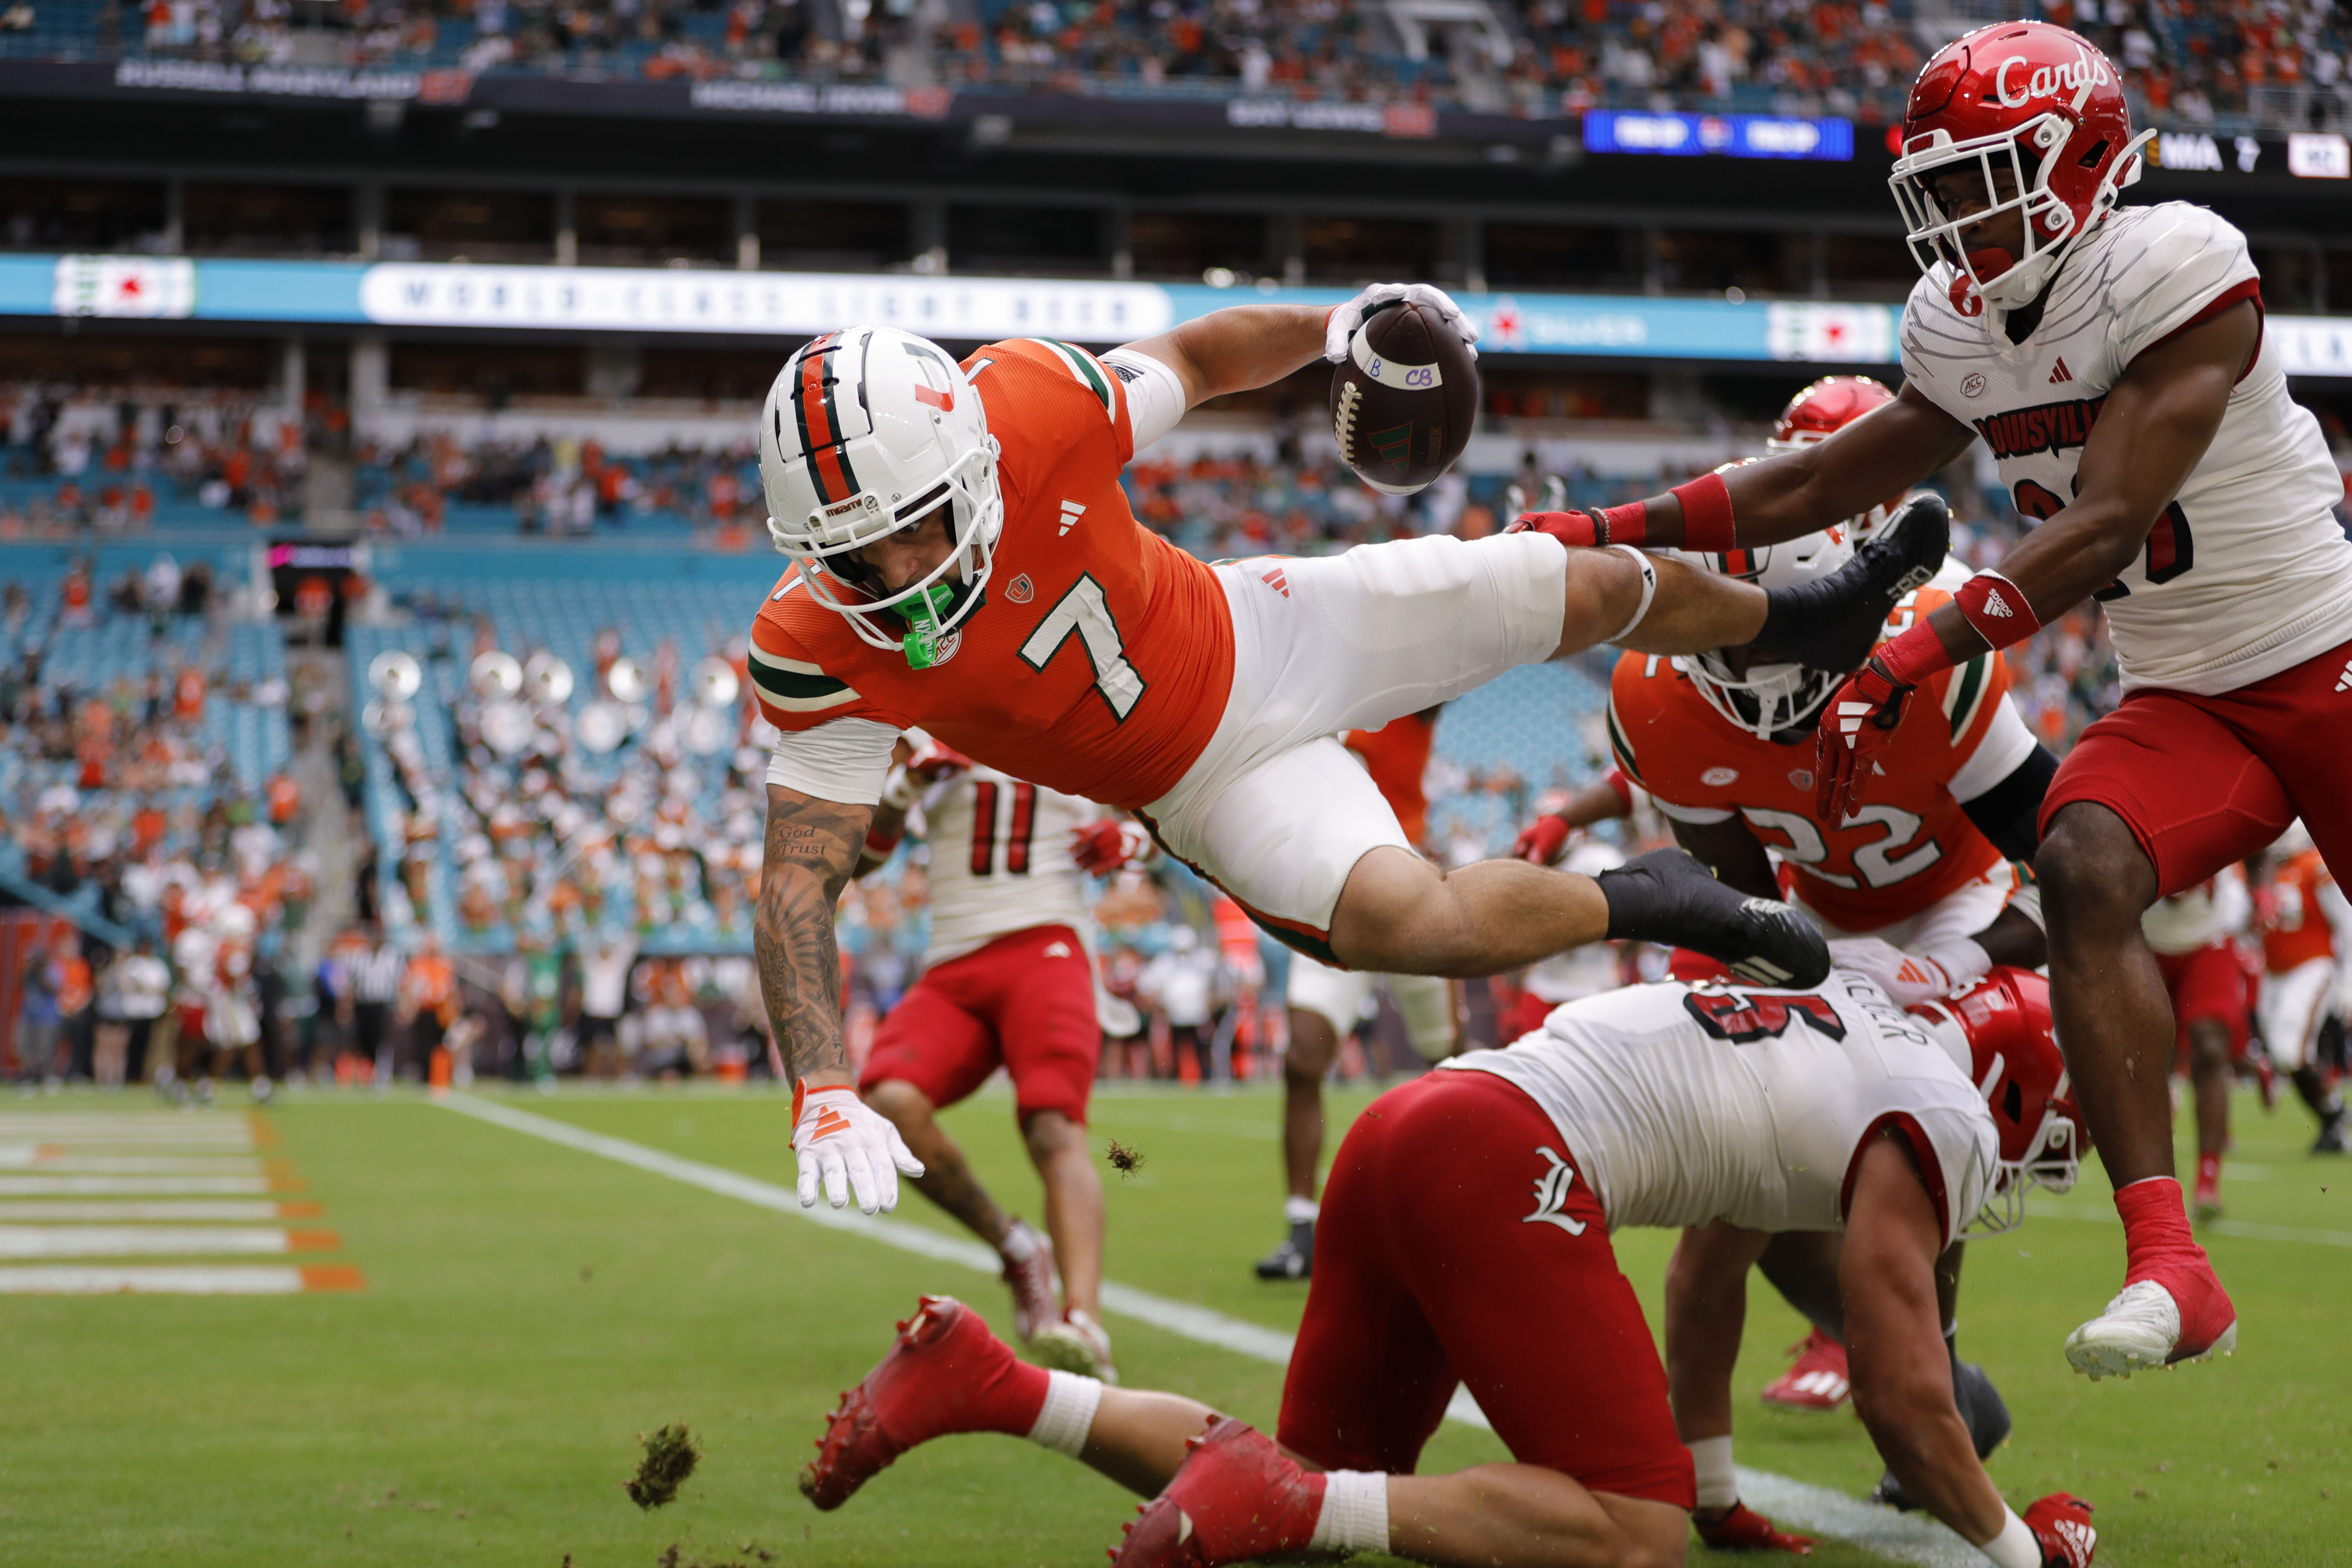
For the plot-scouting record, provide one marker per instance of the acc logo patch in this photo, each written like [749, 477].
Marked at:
[1020, 590]
[1972, 386]
[1803, 778]
[950, 645]
[1719, 776]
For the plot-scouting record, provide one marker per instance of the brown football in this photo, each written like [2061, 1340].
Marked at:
[1404, 400]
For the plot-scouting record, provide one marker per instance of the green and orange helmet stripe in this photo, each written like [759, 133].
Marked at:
[821, 440]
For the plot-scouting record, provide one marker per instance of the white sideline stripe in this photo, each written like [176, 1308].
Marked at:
[100, 1186]
[148, 1165]
[137, 1240]
[1879, 1529]
[2245, 1229]
[162, 1125]
[153, 1279]
[52, 1209]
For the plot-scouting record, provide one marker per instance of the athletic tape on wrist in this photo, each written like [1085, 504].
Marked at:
[1068, 1413]
[1706, 514]
[2014, 1547]
[1649, 592]
[1996, 608]
[1915, 655]
[1627, 524]
[1718, 1483]
[1355, 1516]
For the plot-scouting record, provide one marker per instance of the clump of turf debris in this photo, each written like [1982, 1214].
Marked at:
[670, 1457]
[1124, 1160]
[753, 1554]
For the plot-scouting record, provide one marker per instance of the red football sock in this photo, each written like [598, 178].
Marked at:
[2209, 1170]
[1012, 1399]
[2155, 1226]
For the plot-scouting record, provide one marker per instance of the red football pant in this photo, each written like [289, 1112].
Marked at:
[2204, 781]
[2209, 984]
[1437, 1259]
[1026, 1001]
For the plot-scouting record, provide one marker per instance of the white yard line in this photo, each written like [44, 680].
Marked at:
[162, 1280]
[2249, 1231]
[148, 1165]
[55, 1209]
[150, 1240]
[103, 1186]
[1882, 1531]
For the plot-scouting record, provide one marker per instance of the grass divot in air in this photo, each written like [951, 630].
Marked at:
[670, 1457]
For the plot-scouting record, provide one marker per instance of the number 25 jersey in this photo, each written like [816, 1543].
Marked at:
[1100, 660]
[2246, 573]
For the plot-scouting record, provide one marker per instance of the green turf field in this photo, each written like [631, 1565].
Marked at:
[528, 1309]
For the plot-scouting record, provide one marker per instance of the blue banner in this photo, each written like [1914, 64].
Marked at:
[1726, 135]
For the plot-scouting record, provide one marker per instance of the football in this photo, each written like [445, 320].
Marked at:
[1404, 399]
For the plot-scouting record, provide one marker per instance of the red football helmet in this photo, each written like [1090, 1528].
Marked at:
[2030, 101]
[2005, 1018]
[1819, 411]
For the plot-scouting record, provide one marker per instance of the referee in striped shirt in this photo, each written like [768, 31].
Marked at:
[375, 977]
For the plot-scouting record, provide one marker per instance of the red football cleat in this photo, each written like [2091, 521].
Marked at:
[947, 1373]
[1745, 1530]
[2061, 1528]
[1236, 1499]
[1817, 1382]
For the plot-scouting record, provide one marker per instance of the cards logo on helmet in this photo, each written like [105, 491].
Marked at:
[2078, 75]
[1964, 295]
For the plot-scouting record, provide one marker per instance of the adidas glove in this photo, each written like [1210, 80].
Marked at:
[1342, 323]
[842, 1141]
[1910, 978]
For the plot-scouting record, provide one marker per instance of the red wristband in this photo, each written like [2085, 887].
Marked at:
[1627, 524]
[1616, 780]
[1996, 607]
[1706, 514]
[1915, 655]
[879, 847]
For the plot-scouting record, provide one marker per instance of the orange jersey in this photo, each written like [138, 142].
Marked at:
[1099, 661]
[2295, 929]
[1397, 756]
[1910, 846]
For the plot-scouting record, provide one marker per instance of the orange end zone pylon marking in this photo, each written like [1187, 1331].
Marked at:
[332, 1276]
[265, 1135]
[301, 1211]
[312, 1241]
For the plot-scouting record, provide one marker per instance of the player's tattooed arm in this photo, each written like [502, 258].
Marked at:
[812, 845]
[1733, 853]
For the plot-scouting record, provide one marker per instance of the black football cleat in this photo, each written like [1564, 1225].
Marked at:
[1293, 1258]
[2332, 1138]
[1834, 622]
[1667, 897]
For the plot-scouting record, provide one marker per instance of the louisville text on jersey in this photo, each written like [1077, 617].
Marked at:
[2045, 427]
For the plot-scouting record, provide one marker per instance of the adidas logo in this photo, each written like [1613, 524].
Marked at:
[1277, 582]
[2060, 374]
[2344, 682]
[1071, 512]
[1995, 605]
[828, 1122]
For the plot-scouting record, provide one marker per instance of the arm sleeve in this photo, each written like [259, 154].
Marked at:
[1998, 754]
[842, 760]
[1698, 815]
[1155, 394]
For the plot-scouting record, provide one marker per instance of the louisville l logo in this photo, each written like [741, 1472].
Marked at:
[1551, 1194]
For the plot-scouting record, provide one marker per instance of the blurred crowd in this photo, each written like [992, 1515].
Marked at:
[79, 458]
[2185, 63]
[562, 486]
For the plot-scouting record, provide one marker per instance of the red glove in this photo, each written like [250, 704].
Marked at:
[1102, 847]
[933, 761]
[2061, 1528]
[1857, 725]
[1543, 840]
[1745, 1530]
[1577, 530]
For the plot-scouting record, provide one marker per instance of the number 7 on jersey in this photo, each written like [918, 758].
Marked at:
[1084, 611]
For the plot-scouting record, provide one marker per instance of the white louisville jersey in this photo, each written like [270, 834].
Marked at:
[2215, 910]
[2246, 573]
[1686, 1104]
[1001, 860]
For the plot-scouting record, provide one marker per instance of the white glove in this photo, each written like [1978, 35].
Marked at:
[837, 1136]
[1910, 978]
[1341, 323]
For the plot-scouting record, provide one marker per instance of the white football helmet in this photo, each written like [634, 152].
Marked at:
[868, 431]
[1770, 698]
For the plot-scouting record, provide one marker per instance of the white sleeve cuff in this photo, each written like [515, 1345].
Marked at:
[2006, 745]
[843, 760]
[1155, 394]
[1697, 816]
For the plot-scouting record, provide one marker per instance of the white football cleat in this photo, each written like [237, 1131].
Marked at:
[2141, 1327]
[1076, 1344]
